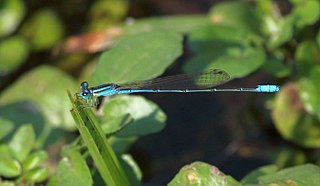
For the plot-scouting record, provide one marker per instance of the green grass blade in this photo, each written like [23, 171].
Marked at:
[99, 148]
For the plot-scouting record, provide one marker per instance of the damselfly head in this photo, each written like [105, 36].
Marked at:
[85, 92]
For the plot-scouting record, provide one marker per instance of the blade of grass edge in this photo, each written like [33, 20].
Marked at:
[99, 148]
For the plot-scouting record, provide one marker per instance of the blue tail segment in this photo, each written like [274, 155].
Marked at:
[267, 88]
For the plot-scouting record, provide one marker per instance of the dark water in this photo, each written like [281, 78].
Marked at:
[200, 127]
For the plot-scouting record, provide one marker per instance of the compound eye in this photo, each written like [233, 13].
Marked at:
[85, 94]
[84, 84]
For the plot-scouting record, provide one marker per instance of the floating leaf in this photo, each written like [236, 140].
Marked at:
[199, 173]
[138, 57]
[148, 117]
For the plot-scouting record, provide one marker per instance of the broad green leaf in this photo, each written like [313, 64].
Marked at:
[13, 51]
[237, 62]
[22, 142]
[115, 125]
[299, 175]
[148, 117]
[122, 145]
[266, 6]
[254, 175]
[7, 183]
[103, 14]
[199, 173]
[310, 92]
[307, 56]
[182, 24]
[275, 66]
[72, 61]
[239, 15]
[219, 47]
[72, 170]
[271, 175]
[11, 13]
[269, 12]
[212, 38]
[280, 31]
[285, 157]
[88, 68]
[35, 159]
[9, 167]
[138, 57]
[37, 175]
[22, 112]
[293, 123]
[132, 169]
[6, 127]
[44, 29]
[99, 148]
[306, 12]
[46, 88]
[318, 38]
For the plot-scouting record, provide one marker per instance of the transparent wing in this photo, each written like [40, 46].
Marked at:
[202, 80]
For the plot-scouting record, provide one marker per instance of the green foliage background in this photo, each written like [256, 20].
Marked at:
[240, 37]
